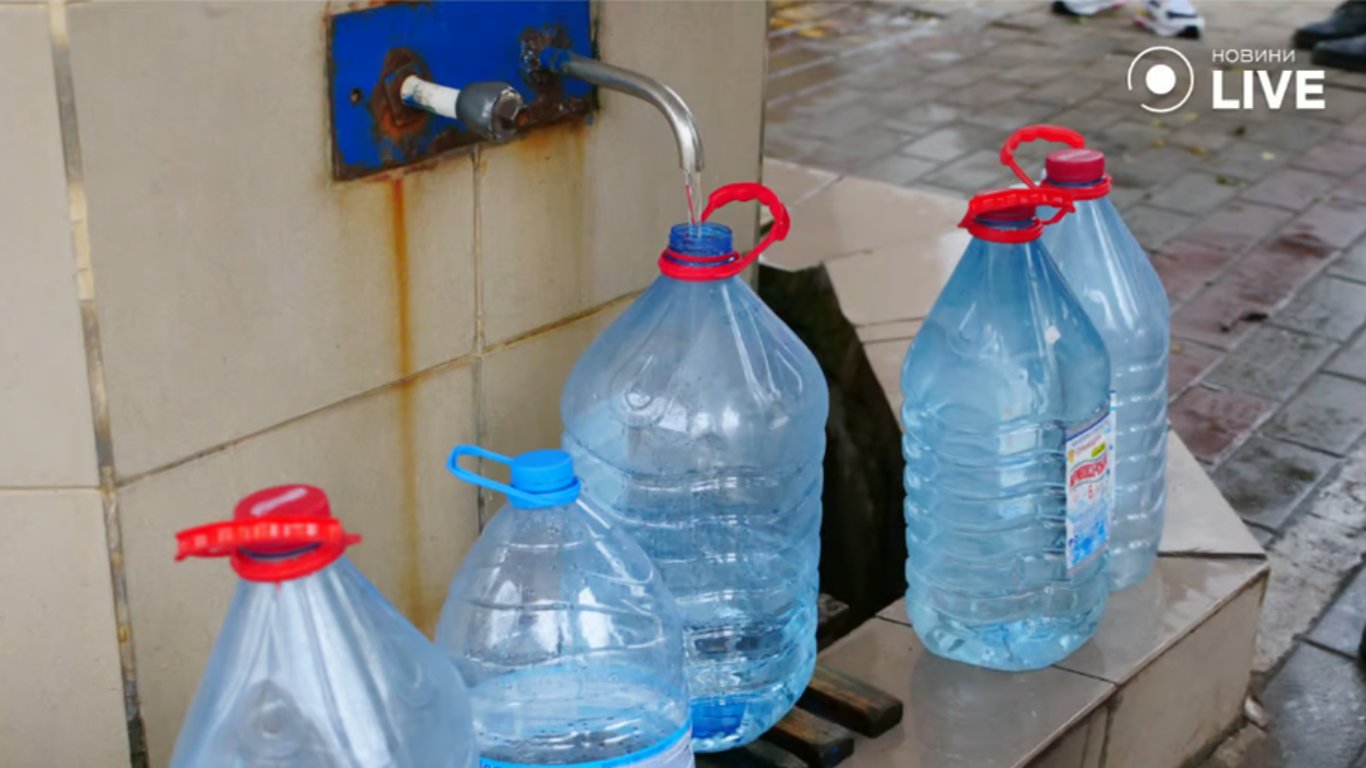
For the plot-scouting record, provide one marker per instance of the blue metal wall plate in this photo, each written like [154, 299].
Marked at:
[370, 51]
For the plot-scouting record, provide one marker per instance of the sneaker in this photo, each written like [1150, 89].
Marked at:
[1171, 18]
[1349, 20]
[1348, 54]
[1085, 7]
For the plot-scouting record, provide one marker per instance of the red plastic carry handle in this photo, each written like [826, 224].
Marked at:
[1054, 133]
[234, 539]
[1005, 199]
[700, 268]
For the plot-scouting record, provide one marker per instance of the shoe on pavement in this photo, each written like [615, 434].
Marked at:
[1085, 7]
[1171, 18]
[1348, 54]
[1349, 20]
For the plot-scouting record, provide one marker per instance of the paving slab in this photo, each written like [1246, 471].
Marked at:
[1266, 479]
[1331, 307]
[1329, 415]
[1271, 362]
[1351, 361]
[1212, 422]
[1320, 703]
[1341, 627]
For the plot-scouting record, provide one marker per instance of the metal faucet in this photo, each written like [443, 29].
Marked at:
[643, 87]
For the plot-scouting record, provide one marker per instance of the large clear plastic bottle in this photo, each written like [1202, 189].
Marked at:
[1117, 286]
[697, 421]
[1007, 428]
[313, 668]
[570, 644]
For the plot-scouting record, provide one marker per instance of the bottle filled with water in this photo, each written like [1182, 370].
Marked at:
[313, 668]
[571, 646]
[697, 422]
[1008, 429]
[1117, 286]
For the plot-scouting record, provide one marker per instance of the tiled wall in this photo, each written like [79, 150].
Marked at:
[259, 323]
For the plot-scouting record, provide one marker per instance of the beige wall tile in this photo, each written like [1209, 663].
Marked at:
[574, 216]
[238, 286]
[947, 704]
[44, 398]
[59, 658]
[380, 457]
[1184, 701]
[521, 385]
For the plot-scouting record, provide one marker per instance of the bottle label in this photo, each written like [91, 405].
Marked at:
[1090, 490]
[673, 752]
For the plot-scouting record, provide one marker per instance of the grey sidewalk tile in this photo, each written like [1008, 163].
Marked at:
[1271, 362]
[1341, 625]
[1329, 307]
[1328, 414]
[1352, 265]
[1351, 361]
[897, 169]
[925, 117]
[1247, 160]
[1154, 226]
[1147, 167]
[954, 141]
[1290, 132]
[1320, 703]
[1197, 193]
[971, 174]
[1265, 479]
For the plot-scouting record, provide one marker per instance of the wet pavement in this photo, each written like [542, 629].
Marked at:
[1256, 222]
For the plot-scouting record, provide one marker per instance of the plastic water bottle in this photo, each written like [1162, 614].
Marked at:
[571, 646]
[697, 422]
[1119, 289]
[313, 668]
[1007, 431]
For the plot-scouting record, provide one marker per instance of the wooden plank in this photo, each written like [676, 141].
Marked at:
[852, 703]
[833, 620]
[819, 743]
[760, 754]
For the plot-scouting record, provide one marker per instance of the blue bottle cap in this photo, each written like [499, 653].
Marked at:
[539, 478]
[542, 471]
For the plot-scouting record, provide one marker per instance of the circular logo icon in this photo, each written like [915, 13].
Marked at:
[1162, 73]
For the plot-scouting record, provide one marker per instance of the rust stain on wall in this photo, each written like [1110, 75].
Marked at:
[410, 595]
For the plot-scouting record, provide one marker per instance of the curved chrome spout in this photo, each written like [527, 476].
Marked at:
[643, 87]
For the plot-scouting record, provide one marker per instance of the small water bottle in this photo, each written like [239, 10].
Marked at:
[697, 421]
[571, 646]
[1117, 286]
[1007, 432]
[313, 668]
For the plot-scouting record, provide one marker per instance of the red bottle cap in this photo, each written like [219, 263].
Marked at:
[1075, 166]
[276, 534]
[1080, 169]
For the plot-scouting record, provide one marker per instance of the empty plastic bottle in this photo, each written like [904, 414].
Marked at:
[571, 646]
[1007, 429]
[1119, 289]
[313, 668]
[697, 422]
